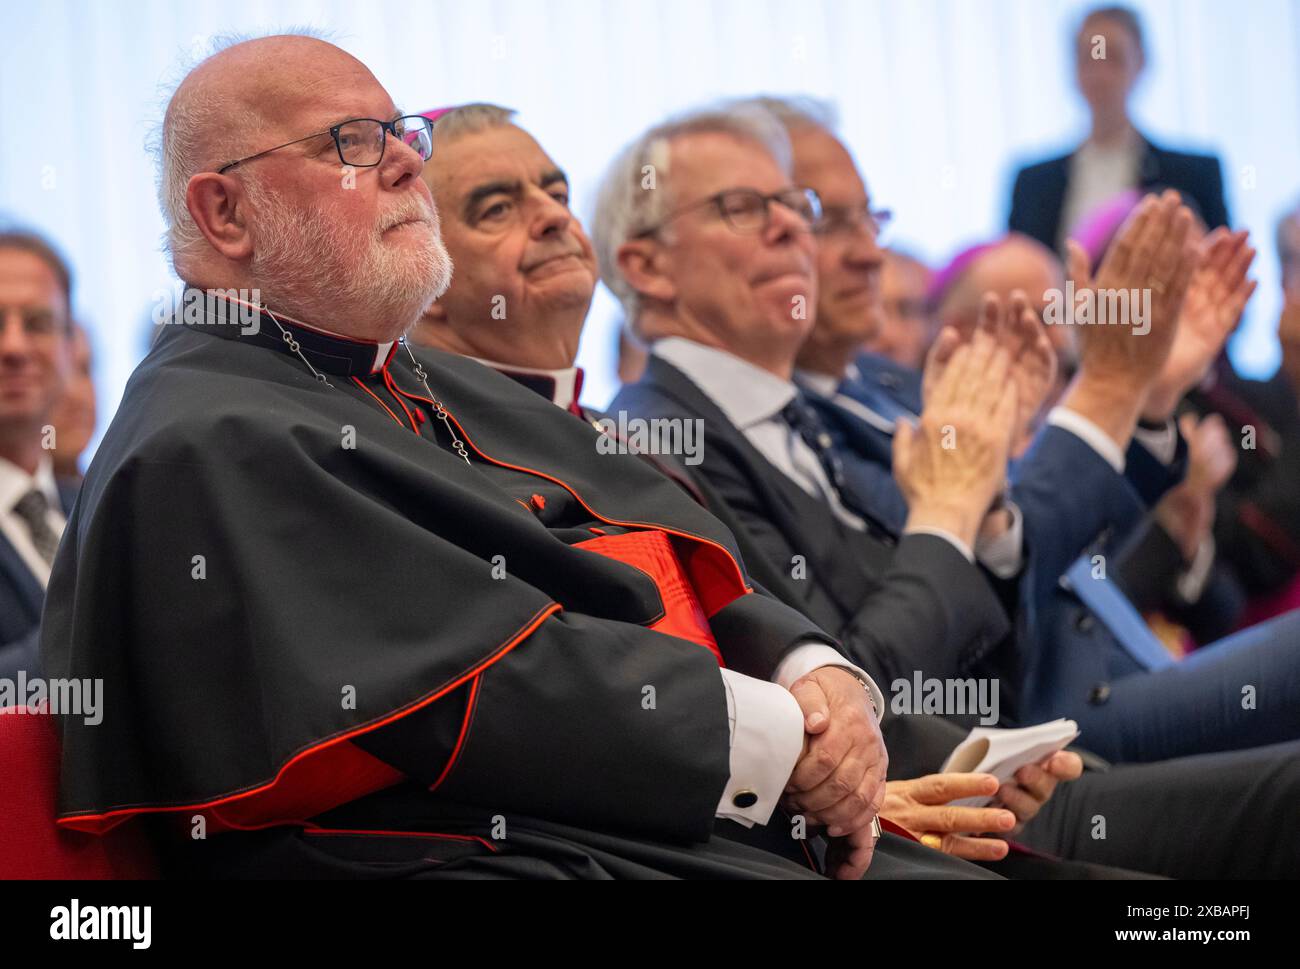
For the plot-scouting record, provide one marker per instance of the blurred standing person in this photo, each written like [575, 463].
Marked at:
[1051, 197]
[906, 330]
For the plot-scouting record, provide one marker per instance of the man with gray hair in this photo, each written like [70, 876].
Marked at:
[703, 236]
[374, 615]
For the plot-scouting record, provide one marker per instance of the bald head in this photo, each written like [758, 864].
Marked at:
[238, 101]
[1017, 262]
[350, 247]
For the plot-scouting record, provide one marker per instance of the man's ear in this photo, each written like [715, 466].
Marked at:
[643, 263]
[218, 207]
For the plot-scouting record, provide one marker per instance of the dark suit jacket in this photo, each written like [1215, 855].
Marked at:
[897, 609]
[21, 599]
[1038, 198]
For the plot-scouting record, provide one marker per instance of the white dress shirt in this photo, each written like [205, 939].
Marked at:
[765, 721]
[14, 483]
[1097, 175]
[752, 399]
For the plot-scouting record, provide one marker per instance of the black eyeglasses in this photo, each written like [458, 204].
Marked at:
[360, 141]
[846, 219]
[749, 210]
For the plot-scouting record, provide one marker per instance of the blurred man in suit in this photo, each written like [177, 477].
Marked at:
[35, 336]
[1050, 197]
[1164, 561]
[906, 329]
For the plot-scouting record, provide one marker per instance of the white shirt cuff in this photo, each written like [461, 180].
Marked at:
[806, 657]
[1191, 582]
[948, 537]
[766, 741]
[1004, 555]
[1162, 443]
[1090, 434]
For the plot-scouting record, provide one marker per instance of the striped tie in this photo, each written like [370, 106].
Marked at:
[33, 509]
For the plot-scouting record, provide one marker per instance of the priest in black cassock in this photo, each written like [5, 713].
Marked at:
[358, 615]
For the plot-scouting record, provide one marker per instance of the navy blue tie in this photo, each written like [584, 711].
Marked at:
[804, 420]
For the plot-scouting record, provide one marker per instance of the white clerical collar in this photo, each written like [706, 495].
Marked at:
[565, 384]
[746, 393]
[15, 482]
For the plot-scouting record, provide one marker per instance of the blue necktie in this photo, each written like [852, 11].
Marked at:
[1113, 608]
[869, 394]
[803, 419]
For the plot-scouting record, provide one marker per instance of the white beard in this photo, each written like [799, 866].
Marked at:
[303, 263]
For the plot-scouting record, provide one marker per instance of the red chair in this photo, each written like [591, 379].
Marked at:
[31, 844]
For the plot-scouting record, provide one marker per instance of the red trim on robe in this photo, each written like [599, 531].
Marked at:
[313, 829]
[357, 381]
[464, 732]
[898, 829]
[715, 574]
[321, 777]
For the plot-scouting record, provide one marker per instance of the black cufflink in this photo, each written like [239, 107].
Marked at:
[744, 799]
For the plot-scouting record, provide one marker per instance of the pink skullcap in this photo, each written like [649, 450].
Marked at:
[1097, 230]
[435, 113]
[942, 282]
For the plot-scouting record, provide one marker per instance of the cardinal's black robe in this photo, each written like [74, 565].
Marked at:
[332, 646]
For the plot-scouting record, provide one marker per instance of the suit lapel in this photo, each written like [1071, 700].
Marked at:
[802, 519]
[1053, 201]
[1150, 169]
[20, 578]
[68, 489]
